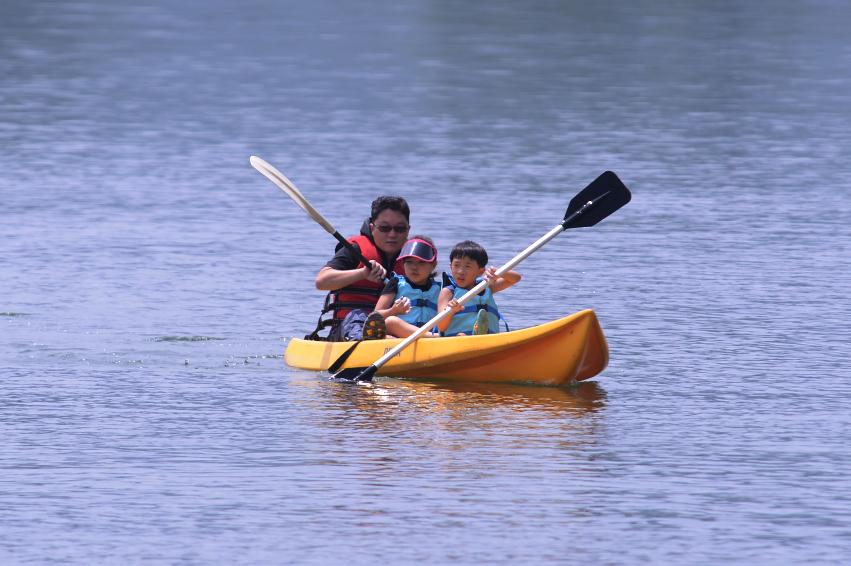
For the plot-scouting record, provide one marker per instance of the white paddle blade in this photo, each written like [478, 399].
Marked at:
[288, 187]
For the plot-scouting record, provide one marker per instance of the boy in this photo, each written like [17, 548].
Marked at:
[468, 264]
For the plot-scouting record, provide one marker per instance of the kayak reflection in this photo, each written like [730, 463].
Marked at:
[388, 400]
[585, 396]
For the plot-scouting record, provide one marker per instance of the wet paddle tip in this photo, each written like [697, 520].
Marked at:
[356, 375]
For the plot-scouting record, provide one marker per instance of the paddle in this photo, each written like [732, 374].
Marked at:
[595, 202]
[343, 357]
[288, 187]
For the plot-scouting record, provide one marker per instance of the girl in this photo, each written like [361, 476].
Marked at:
[407, 301]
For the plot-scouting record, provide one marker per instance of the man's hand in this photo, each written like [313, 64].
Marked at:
[375, 272]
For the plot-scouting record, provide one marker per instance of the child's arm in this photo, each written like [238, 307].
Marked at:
[502, 282]
[389, 305]
[446, 298]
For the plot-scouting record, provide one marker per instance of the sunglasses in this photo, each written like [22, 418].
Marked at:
[385, 228]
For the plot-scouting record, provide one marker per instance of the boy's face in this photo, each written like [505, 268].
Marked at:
[417, 270]
[465, 270]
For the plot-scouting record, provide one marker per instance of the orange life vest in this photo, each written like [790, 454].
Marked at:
[361, 294]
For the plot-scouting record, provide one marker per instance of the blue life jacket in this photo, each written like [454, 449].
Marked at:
[423, 303]
[463, 321]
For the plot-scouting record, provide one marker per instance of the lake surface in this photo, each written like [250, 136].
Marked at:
[149, 280]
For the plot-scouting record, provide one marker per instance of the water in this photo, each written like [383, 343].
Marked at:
[150, 279]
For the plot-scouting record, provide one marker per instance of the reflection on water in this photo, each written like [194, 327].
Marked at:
[383, 392]
[393, 405]
[579, 398]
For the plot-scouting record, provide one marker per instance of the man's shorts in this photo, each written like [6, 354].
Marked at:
[351, 328]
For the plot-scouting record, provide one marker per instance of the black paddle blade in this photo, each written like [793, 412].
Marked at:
[356, 374]
[343, 357]
[598, 200]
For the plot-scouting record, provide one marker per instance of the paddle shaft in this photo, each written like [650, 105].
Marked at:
[283, 183]
[558, 229]
[355, 251]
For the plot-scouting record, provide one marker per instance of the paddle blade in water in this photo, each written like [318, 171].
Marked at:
[598, 200]
[357, 374]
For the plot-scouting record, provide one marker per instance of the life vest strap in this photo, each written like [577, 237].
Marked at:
[333, 305]
[320, 326]
[423, 303]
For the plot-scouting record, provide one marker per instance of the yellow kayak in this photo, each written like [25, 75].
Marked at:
[560, 352]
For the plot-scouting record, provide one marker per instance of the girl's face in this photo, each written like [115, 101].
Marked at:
[417, 271]
[465, 270]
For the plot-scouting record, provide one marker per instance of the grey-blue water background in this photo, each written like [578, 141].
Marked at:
[149, 280]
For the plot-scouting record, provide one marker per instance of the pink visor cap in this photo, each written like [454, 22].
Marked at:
[419, 249]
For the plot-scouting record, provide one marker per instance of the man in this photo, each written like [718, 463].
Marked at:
[353, 287]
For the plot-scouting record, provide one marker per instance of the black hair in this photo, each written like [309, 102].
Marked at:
[390, 203]
[470, 249]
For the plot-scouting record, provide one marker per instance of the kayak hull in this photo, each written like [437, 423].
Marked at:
[560, 352]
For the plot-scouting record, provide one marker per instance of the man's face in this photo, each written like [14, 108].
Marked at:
[392, 240]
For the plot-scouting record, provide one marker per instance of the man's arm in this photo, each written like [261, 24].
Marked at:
[330, 279]
[343, 270]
